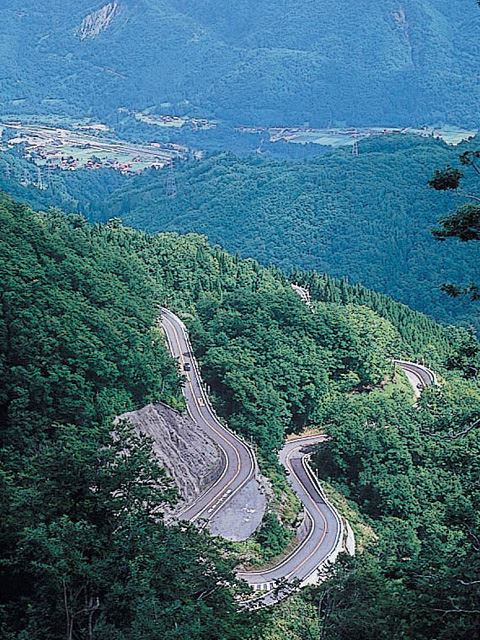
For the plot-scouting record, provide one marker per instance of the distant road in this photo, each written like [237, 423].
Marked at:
[418, 375]
[239, 460]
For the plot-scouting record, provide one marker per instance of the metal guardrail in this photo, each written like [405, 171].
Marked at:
[337, 547]
[338, 544]
[286, 589]
[415, 367]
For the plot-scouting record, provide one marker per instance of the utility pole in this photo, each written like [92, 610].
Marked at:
[50, 185]
[355, 150]
[171, 182]
[40, 184]
[260, 150]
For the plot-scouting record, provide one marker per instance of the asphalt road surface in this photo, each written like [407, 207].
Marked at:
[239, 460]
[323, 533]
[324, 529]
[324, 524]
[418, 375]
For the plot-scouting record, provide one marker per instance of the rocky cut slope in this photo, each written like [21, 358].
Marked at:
[191, 459]
[97, 21]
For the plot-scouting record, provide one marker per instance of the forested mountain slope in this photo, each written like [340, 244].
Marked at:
[368, 217]
[83, 551]
[79, 191]
[392, 62]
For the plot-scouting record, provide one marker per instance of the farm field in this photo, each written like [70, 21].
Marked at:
[347, 136]
[171, 121]
[86, 146]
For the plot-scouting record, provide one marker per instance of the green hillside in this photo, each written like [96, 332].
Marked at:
[83, 550]
[367, 218]
[79, 344]
[287, 62]
[211, 198]
[73, 191]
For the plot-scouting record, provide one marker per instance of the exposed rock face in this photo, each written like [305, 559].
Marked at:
[98, 21]
[191, 459]
[195, 462]
[400, 17]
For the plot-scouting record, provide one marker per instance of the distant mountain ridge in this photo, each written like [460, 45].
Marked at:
[287, 62]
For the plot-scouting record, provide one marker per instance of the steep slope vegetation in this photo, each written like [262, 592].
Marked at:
[83, 551]
[367, 218]
[73, 191]
[413, 474]
[399, 61]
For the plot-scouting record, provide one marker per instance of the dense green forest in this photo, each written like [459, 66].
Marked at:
[88, 258]
[81, 547]
[73, 191]
[367, 218]
[277, 63]
[83, 553]
[413, 474]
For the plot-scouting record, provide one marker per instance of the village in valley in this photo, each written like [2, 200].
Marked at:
[86, 145]
[67, 145]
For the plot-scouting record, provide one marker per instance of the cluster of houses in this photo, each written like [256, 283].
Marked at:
[53, 158]
[64, 149]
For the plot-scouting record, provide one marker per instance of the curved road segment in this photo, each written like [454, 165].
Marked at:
[323, 528]
[418, 375]
[239, 460]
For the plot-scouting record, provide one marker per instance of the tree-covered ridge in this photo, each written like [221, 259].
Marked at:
[277, 366]
[80, 540]
[251, 63]
[422, 338]
[272, 362]
[84, 554]
[414, 473]
[75, 311]
[368, 218]
[73, 191]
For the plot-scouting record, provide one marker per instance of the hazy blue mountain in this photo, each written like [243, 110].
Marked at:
[275, 61]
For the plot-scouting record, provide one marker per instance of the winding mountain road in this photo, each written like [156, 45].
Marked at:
[239, 459]
[323, 530]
